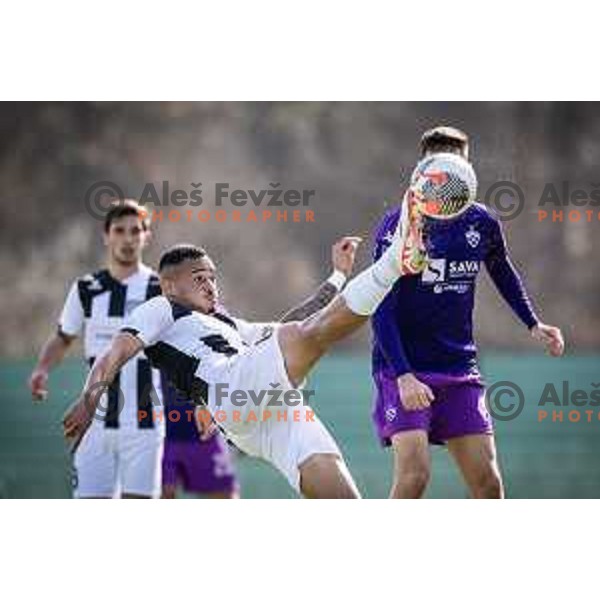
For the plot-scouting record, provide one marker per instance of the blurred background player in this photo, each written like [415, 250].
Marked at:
[122, 450]
[425, 366]
[195, 462]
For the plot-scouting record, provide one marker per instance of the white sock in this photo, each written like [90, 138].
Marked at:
[364, 293]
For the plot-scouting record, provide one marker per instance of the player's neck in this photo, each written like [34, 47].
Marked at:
[121, 272]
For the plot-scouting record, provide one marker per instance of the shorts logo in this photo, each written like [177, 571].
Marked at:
[435, 271]
[473, 237]
[390, 414]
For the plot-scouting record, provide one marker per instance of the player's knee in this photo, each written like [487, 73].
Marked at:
[325, 476]
[488, 485]
[411, 478]
[415, 479]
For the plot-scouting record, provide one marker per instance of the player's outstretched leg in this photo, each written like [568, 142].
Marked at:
[303, 343]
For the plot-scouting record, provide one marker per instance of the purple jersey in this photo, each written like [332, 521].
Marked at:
[179, 414]
[425, 324]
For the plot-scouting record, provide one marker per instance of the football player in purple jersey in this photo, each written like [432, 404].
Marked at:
[428, 384]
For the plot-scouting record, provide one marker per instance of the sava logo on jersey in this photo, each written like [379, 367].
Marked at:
[441, 269]
[450, 275]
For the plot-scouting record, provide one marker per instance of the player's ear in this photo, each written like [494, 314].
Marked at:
[147, 237]
[166, 285]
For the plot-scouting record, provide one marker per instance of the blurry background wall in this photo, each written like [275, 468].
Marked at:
[354, 155]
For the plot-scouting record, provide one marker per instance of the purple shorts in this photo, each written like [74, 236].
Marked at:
[199, 467]
[458, 409]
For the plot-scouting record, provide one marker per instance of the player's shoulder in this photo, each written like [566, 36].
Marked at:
[480, 214]
[92, 280]
[388, 221]
[147, 272]
[168, 307]
[481, 211]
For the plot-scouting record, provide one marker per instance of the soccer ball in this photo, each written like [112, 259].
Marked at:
[443, 185]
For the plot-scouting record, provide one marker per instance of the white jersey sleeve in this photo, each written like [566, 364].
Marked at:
[72, 318]
[252, 332]
[149, 320]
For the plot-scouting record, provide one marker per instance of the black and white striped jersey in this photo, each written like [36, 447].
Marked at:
[97, 304]
[194, 350]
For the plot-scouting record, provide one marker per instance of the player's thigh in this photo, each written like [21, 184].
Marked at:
[303, 343]
[140, 458]
[411, 454]
[299, 350]
[95, 473]
[477, 459]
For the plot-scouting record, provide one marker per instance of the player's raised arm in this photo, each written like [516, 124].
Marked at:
[343, 255]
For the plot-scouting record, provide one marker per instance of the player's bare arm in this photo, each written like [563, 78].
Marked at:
[52, 353]
[79, 417]
[343, 255]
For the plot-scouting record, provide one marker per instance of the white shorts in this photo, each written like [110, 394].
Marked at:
[110, 462]
[284, 433]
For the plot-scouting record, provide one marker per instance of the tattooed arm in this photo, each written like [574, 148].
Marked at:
[343, 254]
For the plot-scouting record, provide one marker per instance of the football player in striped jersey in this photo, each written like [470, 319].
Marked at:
[235, 366]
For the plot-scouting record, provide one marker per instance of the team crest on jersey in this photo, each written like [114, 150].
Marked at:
[473, 237]
[390, 414]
